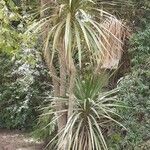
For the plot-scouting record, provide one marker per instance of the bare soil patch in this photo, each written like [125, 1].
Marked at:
[16, 140]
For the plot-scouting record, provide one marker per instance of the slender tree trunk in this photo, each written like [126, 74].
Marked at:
[47, 56]
[63, 82]
[59, 83]
[71, 88]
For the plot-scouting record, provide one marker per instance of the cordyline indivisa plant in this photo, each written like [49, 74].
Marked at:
[72, 28]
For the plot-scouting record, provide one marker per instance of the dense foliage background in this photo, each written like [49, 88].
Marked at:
[135, 93]
[25, 83]
[23, 88]
[24, 77]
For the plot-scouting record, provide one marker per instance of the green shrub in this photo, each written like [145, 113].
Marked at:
[23, 88]
[135, 92]
[140, 49]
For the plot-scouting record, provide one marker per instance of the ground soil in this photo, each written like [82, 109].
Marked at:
[16, 140]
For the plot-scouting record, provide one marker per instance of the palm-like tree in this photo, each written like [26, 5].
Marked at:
[71, 27]
[95, 110]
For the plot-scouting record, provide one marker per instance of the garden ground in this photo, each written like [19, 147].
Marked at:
[16, 140]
